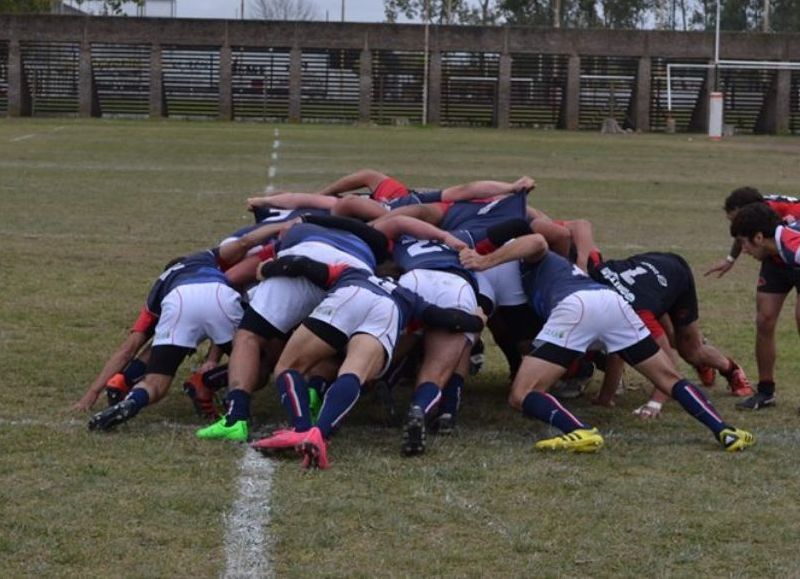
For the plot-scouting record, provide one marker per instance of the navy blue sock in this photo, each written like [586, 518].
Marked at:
[451, 395]
[547, 408]
[341, 396]
[294, 399]
[140, 397]
[134, 372]
[238, 402]
[426, 396]
[695, 403]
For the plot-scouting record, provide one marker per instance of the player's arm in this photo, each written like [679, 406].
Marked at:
[430, 212]
[531, 248]
[365, 178]
[558, 237]
[724, 266]
[318, 273]
[582, 235]
[611, 380]
[359, 208]
[485, 189]
[124, 354]
[291, 201]
[398, 225]
[375, 239]
[234, 251]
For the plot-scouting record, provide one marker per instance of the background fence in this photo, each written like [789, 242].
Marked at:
[345, 73]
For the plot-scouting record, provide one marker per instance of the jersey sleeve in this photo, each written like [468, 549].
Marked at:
[789, 245]
[146, 322]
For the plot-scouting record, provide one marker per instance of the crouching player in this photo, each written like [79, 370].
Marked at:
[362, 315]
[579, 312]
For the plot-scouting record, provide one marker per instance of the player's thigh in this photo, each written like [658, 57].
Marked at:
[304, 350]
[659, 369]
[442, 353]
[366, 357]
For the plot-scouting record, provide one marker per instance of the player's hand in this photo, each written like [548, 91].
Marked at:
[524, 183]
[471, 259]
[720, 268]
[86, 402]
[254, 202]
[453, 242]
[649, 411]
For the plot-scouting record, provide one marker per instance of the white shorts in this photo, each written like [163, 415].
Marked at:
[191, 313]
[589, 316]
[325, 253]
[356, 310]
[502, 284]
[443, 289]
[285, 301]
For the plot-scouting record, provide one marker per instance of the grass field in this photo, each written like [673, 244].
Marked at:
[91, 210]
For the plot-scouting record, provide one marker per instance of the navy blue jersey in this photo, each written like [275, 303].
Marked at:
[199, 267]
[414, 198]
[412, 253]
[268, 214]
[550, 280]
[336, 238]
[410, 306]
[473, 215]
[653, 281]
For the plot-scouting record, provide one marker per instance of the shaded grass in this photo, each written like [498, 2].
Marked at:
[90, 212]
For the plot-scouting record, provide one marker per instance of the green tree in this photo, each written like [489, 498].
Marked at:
[24, 6]
[785, 16]
[441, 11]
[112, 6]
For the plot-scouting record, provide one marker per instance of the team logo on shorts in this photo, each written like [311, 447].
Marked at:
[761, 282]
[555, 333]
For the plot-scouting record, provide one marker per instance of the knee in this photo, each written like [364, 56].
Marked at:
[765, 322]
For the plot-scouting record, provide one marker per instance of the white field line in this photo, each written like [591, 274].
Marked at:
[22, 138]
[248, 541]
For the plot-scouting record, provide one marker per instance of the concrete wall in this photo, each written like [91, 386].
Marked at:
[642, 45]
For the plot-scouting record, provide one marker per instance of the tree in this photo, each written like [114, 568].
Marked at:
[441, 11]
[24, 6]
[115, 7]
[283, 9]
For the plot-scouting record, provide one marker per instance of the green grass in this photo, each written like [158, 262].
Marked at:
[91, 210]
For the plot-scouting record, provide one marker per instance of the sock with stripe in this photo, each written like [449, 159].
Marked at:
[695, 403]
[547, 408]
[140, 397]
[340, 397]
[426, 396]
[451, 395]
[238, 402]
[293, 392]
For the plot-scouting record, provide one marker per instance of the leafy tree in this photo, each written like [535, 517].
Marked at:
[785, 16]
[24, 6]
[283, 9]
[439, 11]
[109, 6]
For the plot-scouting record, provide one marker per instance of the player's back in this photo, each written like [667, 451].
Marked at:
[551, 279]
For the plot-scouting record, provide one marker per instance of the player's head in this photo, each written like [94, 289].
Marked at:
[754, 226]
[741, 197]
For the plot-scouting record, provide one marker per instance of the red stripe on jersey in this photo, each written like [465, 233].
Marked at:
[267, 252]
[389, 189]
[146, 322]
[788, 210]
[789, 244]
[649, 319]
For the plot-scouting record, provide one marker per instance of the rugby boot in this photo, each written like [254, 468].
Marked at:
[414, 432]
[221, 431]
[280, 440]
[707, 375]
[581, 440]
[444, 424]
[202, 397]
[735, 439]
[116, 389]
[113, 415]
[738, 382]
[314, 450]
[757, 401]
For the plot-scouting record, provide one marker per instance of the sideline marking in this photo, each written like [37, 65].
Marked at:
[22, 138]
[248, 541]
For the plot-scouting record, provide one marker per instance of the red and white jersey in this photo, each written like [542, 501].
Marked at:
[787, 239]
[787, 207]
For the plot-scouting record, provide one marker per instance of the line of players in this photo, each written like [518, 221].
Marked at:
[324, 322]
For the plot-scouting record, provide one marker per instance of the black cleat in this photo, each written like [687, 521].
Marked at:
[757, 401]
[113, 415]
[414, 432]
[444, 424]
